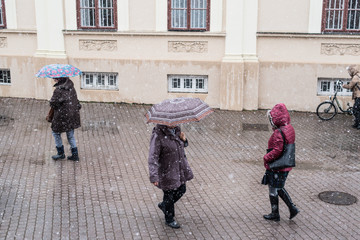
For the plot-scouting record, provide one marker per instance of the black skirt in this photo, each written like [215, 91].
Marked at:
[274, 179]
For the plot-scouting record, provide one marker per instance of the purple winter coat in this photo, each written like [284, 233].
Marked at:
[167, 160]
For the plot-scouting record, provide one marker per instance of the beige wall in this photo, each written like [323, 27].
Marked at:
[258, 52]
[291, 65]
[283, 16]
[142, 18]
[143, 62]
[25, 12]
[17, 55]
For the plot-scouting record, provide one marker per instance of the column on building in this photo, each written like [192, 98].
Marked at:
[240, 65]
[50, 41]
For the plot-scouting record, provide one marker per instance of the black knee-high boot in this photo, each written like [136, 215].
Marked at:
[274, 215]
[286, 198]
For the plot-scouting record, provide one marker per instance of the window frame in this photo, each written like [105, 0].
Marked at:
[3, 14]
[96, 27]
[188, 17]
[344, 19]
[345, 92]
[181, 80]
[95, 85]
[9, 76]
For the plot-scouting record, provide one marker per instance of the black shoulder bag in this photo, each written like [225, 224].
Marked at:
[287, 158]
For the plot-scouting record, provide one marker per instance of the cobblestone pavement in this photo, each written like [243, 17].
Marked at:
[107, 194]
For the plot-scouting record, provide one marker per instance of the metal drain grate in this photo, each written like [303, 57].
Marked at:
[337, 198]
[255, 127]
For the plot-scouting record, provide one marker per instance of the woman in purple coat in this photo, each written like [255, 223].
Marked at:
[168, 167]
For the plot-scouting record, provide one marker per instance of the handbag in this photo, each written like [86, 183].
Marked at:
[287, 158]
[50, 115]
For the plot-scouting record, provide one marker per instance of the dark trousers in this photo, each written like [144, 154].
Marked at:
[356, 109]
[169, 200]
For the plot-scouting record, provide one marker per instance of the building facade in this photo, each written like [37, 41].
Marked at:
[233, 54]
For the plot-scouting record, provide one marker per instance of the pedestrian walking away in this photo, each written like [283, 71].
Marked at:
[168, 167]
[283, 132]
[66, 116]
[354, 85]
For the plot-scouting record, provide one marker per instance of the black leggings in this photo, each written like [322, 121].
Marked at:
[356, 109]
[170, 198]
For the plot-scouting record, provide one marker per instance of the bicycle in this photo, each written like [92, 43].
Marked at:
[327, 109]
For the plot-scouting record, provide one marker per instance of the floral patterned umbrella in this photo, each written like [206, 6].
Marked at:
[172, 112]
[58, 71]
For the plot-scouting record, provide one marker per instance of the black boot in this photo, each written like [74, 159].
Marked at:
[75, 155]
[286, 198]
[274, 215]
[60, 153]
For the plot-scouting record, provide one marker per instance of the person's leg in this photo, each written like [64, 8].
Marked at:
[71, 138]
[59, 147]
[74, 151]
[284, 195]
[168, 208]
[274, 201]
[178, 193]
[356, 111]
[168, 205]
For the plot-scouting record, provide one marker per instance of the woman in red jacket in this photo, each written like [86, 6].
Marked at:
[280, 119]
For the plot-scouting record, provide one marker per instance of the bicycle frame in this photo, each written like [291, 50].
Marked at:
[338, 105]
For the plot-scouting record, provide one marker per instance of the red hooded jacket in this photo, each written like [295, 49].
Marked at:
[281, 119]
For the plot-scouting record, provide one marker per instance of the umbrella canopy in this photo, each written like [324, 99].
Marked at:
[172, 112]
[58, 71]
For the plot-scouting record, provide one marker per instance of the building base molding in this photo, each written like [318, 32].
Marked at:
[239, 83]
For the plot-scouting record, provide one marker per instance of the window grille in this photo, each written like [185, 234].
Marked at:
[341, 15]
[97, 13]
[187, 83]
[107, 81]
[327, 87]
[189, 15]
[5, 77]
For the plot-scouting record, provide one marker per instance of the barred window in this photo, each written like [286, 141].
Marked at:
[187, 83]
[5, 78]
[189, 15]
[327, 87]
[2, 14]
[341, 16]
[107, 81]
[97, 14]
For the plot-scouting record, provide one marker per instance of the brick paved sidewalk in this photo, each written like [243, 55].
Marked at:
[107, 194]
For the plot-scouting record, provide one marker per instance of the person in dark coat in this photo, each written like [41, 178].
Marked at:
[279, 118]
[168, 167]
[354, 85]
[66, 116]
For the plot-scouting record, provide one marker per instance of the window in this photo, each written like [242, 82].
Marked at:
[327, 87]
[186, 83]
[2, 14]
[96, 14]
[188, 15]
[341, 16]
[5, 78]
[107, 81]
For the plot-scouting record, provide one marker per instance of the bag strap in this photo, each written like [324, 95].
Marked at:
[282, 134]
[357, 86]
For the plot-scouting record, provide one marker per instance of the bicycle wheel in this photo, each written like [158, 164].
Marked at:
[326, 111]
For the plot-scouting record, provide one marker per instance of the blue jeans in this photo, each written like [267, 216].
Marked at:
[70, 137]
